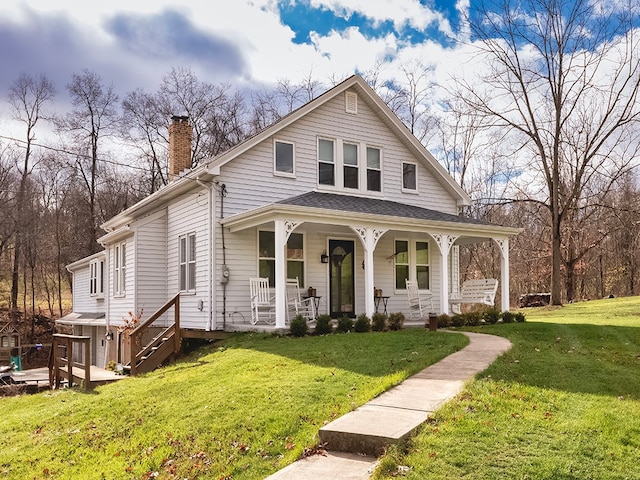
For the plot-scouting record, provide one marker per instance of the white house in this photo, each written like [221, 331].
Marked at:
[340, 180]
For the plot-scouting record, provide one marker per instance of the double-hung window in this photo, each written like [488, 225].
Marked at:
[120, 269]
[267, 257]
[326, 162]
[284, 158]
[374, 172]
[350, 165]
[409, 177]
[96, 278]
[187, 257]
[412, 263]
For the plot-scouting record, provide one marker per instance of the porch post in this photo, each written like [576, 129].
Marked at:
[444, 245]
[369, 238]
[281, 274]
[503, 244]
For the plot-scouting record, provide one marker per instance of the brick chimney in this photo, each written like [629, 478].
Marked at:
[179, 145]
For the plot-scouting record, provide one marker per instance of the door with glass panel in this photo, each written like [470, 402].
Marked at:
[341, 278]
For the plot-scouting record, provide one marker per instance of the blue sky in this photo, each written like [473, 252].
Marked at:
[243, 42]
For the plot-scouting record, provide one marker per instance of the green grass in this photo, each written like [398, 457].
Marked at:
[241, 411]
[563, 403]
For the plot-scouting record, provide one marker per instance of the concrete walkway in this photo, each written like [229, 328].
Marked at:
[355, 439]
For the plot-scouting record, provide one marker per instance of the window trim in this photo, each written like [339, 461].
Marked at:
[277, 172]
[413, 264]
[189, 262]
[287, 260]
[334, 163]
[407, 189]
[96, 278]
[339, 166]
[120, 270]
[367, 168]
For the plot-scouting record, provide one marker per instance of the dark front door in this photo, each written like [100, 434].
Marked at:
[341, 285]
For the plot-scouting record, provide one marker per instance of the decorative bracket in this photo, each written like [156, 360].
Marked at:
[445, 242]
[369, 236]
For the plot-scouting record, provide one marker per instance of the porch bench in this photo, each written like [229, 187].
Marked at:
[475, 291]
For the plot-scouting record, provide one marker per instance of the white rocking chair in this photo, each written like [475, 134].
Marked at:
[296, 305]
[417, 304]
[262, 302]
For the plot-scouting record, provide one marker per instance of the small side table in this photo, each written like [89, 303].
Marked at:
[376, 301]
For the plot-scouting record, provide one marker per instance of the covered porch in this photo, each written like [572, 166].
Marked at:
[347, 247]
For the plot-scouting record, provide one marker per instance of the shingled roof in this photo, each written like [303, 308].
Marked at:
[375, 206]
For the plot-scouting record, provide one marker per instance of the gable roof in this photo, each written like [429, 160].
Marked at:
[390, 119]
[193, 178]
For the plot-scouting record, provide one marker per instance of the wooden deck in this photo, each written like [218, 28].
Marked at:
[39, 377]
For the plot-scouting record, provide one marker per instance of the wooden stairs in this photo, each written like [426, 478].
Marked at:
[164, 346]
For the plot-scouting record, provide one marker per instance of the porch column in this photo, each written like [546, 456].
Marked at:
[283, 229]
[503, 244]
[369, 238]
[444, 245]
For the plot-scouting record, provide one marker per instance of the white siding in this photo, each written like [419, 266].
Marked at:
[186, 215]
[120, 306]
[151, 264]
[83, 302]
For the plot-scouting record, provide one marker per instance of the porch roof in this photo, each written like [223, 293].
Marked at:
[88, 319]
[321, 207]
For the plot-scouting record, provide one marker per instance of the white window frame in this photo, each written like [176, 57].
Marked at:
[120, 269]
[334, 143]
[281, 173]
[303, 260]
[187, 263]
[366, 168]
[356, 166]
[407, 189]
[412, 262]
[96, 278]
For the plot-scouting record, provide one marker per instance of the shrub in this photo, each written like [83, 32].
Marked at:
[491, 315]
[379, 322]
[323, 325]
[473, 319]
[508, 317]
[458, 320]
[363, 324]
[520, 318]
[444, 320]
[345, 324]
[298, 326]
[396, 321]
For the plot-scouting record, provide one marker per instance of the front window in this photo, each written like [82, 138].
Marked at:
[284, 157]
[120, 269]
[350, 165]
[412, 263]
[267, 257]
[96, 277]
[326, 163]
[187, 245]
[402, 263]
[409, 178]
[373, 169]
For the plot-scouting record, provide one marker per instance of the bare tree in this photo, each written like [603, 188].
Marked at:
[94, 117]
[563, 81]
[28, 97]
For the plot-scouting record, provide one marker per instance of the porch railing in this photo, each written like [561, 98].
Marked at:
[61, 363]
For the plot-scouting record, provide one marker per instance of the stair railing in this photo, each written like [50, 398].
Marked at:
[139, 353]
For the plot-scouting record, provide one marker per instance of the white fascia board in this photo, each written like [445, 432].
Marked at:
[85, 261]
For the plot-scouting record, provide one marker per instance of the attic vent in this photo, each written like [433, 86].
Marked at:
[351, 102]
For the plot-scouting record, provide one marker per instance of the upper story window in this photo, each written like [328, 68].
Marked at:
[187, 267]
[96, 278]
[409, 176]
[120, 269]
[350, 165]
[374, 173]
[356, 166]
[283, 158]
[326, 162]
[267, 257]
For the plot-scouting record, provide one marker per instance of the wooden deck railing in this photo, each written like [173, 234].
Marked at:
[163, 345]
[61, 363]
